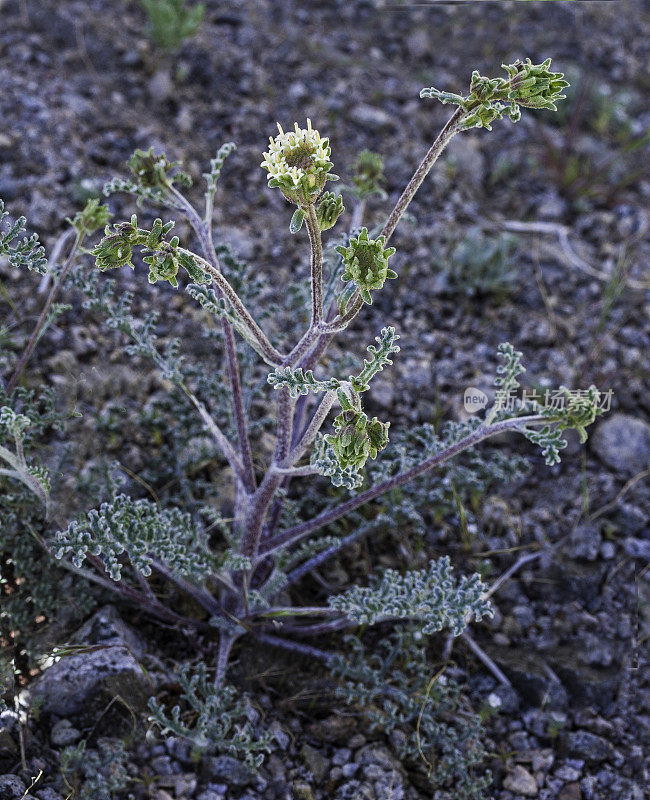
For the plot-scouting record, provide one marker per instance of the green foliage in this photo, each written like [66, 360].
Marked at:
[95, 774]
[26, 252]
[571, 410]
[368, 175]
[327, 462]
[298, 164]
[481, 265]
[91, 218]
[329, 209]
[432, 596]
[230, 552]
[214, 719]
[35, 477]
[154, 178]
[142, 531]
[300, 382]
[357, 438]
[402, 694]
[164, 257]
[170, 22]
[216, 165]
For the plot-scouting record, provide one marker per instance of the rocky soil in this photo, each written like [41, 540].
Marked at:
[83, 87]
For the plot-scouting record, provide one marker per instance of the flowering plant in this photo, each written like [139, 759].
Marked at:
[245, 587]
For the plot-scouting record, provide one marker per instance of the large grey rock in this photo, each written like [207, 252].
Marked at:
[107, 667]
[623, 443]
[585, 745]
[11, 787]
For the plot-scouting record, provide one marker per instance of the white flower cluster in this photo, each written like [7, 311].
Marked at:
[298, 162]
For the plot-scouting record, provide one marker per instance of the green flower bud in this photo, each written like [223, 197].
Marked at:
[377, 436]
[366, 263]
[369, 172]
[163, 263]
[329, 209]
[115, 249]
[356, 438]
[533, 85]
[298, 164]
[93, 217]
[148, 169]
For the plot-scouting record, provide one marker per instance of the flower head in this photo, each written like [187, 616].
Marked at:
[298, 163]
[366, 262]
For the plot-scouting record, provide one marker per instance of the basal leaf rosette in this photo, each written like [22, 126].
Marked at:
[366, 263]
[298, 163]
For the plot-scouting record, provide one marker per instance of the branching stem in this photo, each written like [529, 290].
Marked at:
[295, 534]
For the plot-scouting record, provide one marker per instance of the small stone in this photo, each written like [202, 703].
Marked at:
[357, 741]
[210, 795]
[623, 443]
[637, 548]
[76, 683]
[372, 118]
[161, 86]
[11, 787]
[521, 781]
[373, 772]
[280, 735]
[570, 792]
[161, 765]
[584, 542]
[302, 791]
[607, 551]
[588, 786]
[48, 794]
[63, 733]
[349, 770]
[334, 728]
[228, 769]
[342, 756]
[567, 773]
[543, 760]
[316, 762]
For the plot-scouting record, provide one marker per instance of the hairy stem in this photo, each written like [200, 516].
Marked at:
[261, 500]
[316, 266]
[295, 534]
[31, 344]
[226, 641]
[294, 647]
[314, 425]
[204, 235]
[442, 140]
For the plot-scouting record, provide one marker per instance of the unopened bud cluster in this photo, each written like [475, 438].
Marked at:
[529, 85]
[357, 438]
[164, 257]
[366, 263]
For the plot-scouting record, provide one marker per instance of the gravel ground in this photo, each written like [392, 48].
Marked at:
[83, 87]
